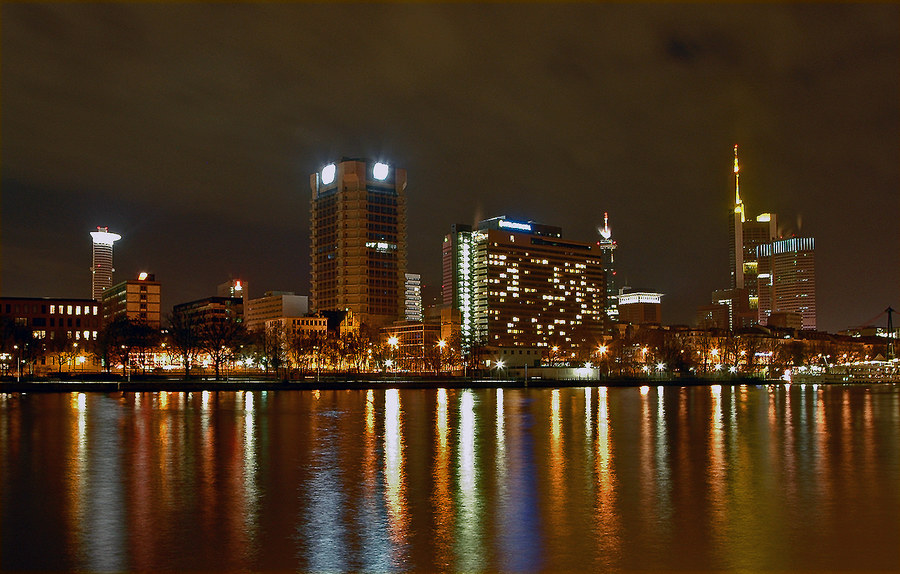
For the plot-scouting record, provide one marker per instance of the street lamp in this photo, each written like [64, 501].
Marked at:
[393, 342]
[441, 344]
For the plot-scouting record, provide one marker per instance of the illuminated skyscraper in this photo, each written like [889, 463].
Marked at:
[608, 256]
[358, 240]
[102, 265]
[787, 279]
[745, 235]
[519, 284]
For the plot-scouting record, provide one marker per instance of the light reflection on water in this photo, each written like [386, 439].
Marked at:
[718, 477]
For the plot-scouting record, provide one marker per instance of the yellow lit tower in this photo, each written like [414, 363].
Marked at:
[745, 235]
[735, 250]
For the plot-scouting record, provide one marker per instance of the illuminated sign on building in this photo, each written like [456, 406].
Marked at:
[504, 224]
[631, 298]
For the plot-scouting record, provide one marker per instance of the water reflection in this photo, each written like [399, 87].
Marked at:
[721, 477]
[468, 524]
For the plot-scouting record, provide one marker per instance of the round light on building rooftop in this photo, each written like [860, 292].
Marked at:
[380, 171]
[328, 173]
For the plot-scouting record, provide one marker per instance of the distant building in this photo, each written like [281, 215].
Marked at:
[311, 326]
[211, 309]
[417, 345]
[713, 316]
[787, 280]
[640, 307]
[413, 297]
[274, 305]
[102, 260]
[233, 288]
[358, 240]
[136, 300]
[519, 284]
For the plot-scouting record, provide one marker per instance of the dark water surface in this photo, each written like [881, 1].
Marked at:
[758, 478]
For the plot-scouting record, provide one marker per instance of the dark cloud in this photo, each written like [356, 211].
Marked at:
[192, 129]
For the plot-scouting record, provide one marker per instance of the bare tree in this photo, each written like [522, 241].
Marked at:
[219, 338]
[184, 337]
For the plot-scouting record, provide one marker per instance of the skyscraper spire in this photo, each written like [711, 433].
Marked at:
[738, 204]
[605, 231]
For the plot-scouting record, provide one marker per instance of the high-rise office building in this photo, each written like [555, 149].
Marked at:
[102, 264]
[358, 240]
[745, 235]
[519, 284]
[787, 279]
[413, 296]
[608, 255]
[135, 300]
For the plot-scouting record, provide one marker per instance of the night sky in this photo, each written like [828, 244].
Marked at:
[192, 130]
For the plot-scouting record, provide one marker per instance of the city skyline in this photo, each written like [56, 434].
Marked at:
[196, 145]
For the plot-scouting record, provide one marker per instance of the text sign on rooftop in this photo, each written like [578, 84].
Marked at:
[504, 224]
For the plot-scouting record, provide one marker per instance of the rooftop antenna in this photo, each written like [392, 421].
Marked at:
[738, 204]
[605, 231]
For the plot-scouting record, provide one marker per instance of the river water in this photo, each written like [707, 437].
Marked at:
[701, 478]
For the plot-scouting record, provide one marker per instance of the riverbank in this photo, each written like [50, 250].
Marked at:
[347, 383]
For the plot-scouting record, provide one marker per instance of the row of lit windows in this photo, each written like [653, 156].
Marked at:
[55, 309]
[77, 335]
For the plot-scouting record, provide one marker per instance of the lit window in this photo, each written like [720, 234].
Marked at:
[52, 309]
[78, 309]
[69, 310]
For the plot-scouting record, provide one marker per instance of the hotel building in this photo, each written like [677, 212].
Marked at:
[358, 240]
[519, 284]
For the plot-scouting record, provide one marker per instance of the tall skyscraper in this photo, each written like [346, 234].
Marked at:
[519, 284]
[358, 240]
[102, 265]
[608, 255]
[745, 235]
[787, 279]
